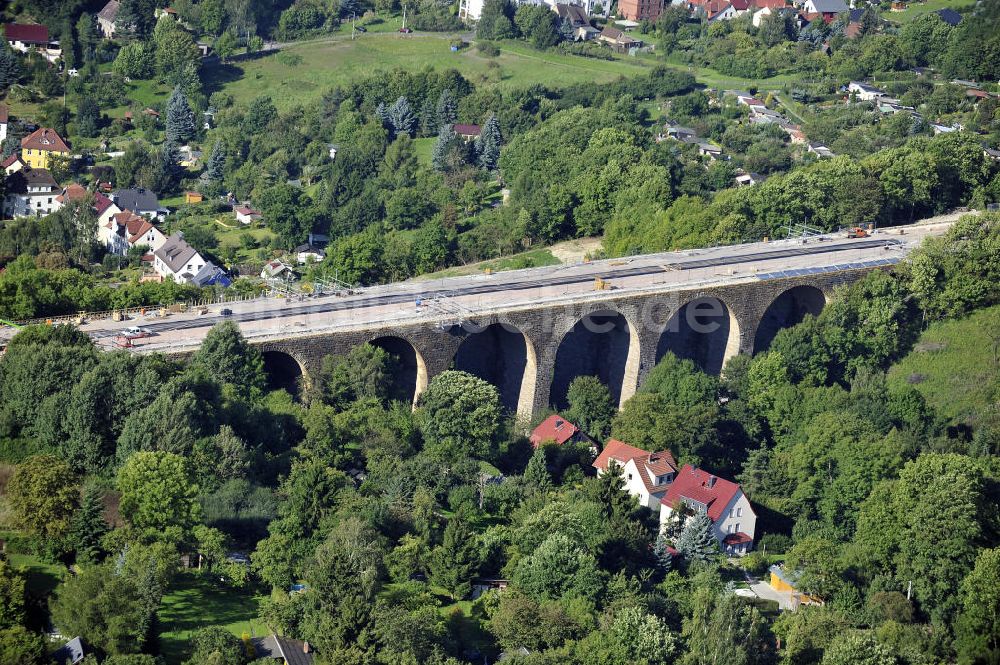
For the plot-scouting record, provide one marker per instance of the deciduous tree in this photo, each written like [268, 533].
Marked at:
[42, 495]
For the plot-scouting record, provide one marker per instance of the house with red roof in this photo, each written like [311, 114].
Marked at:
[556, 429]
[697, 491]
[467, 132]
[12, 164]
[647, 475]
[26, 37]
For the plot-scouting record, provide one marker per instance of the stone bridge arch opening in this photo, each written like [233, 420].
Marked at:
[503, 356]
[283, 372]
[704, 331]
[788, 309]
[411, 378]
[602, 344]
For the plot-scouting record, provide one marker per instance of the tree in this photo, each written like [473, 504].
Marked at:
[559, 568]
[215, 170]
[858, 648]
[130, 164]
[103, 607]
[978, 624]
[590, 406]
[449, 152]
[229, 358]
[157, 495]
[180, 118]
[42, 495]
[817, 563]
[217, 646]
[87, 117]
[725, 628]
[536, 474]
[134, 61]
[402, 118]
[366, 372]
[289, 212]
[260, 113]
[460, 416]
[12, 596]
[10, 67]
[86, 36]
[446, 112]
[489, 143]
[696, 542]
[496, 20]
[88, 527]
[176, 52]
[664, 558]
[166, 170]
[20, 646]
[135, 18]
[454, 562]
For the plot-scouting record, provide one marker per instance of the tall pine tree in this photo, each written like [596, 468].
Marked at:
[454, 562]
[696, 542]
[445, 148]
[88, 527]
[215, 170]
[180, 117]
[447, 109]
[402, 118]
[428, 117]
[488, 144]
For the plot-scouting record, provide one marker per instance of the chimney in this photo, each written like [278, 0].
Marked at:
[711, 481]
[305, 647]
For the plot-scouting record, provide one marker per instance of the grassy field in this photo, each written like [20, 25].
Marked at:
[42, 577]
[915, 9]
[321, 65]
[197, 601]
[956, 364]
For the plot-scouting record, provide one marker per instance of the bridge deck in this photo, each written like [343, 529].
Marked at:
[395, 304]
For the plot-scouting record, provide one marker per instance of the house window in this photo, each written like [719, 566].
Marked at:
[739, 512]
[730, 512]
[737, 526]
[630, 476]
[729, 529]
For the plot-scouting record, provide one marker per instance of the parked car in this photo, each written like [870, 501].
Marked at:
[405, 31]
[226, 312]
[361, 28]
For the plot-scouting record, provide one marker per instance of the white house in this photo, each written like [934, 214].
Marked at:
[246, 215]
[25, 37]
[4, 117]
[107, 17]
[12, 164]
[307, 253]
[470, 10]
[733, 519]
[647, 475]
[177, 260]
[31, 192]
[864, 92]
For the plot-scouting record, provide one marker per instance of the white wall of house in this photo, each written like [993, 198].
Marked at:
[737, 517]
[35, 203]
[635, 486]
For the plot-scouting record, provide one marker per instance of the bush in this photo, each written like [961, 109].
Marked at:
[755, 563]
[774, 543]
[489, 49]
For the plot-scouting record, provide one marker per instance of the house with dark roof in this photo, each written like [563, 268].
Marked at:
[283, 650]
[576, 17]
[647, 475]
[828, 9]
[31, 192]
[32, 37]
[309, 254]
[467, 132]
[177, 260]
[70, 653]
[139, 200]
[949, 16]
[697, 491]
[556, 429]
[617, 40]
[12, 164]
[106, 18]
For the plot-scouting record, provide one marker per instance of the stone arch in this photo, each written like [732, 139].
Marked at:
[603, 343]
[704, 330]
[503, 355]
[284, 371]
[411, 379]
[788, 308]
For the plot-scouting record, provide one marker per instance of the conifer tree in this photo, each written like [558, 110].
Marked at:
[536, 473]
[447, 109]
[428, 117]
[696, 542]
[180, 117]
[489, 143]
[664, 558]
[454, 562]
[216, 162]
[443, 155]
[88, 527]
[382, 113]
[402, 118]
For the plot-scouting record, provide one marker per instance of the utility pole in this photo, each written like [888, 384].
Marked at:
[909, 589]
[353, 16]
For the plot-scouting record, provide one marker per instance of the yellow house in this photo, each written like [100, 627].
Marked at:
[193, 197]
[40, 145]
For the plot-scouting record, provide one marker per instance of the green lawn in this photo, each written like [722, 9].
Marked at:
[956, 364]
[42, 577]
[915, 9]
[423, 149]
[338, 60]
[197, 601]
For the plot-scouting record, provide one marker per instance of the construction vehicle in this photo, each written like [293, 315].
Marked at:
[601, 284]
[856, 232]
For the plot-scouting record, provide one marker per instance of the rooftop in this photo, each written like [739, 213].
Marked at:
[46, 139]
[554, 428]
[701, 486]
[27, 33]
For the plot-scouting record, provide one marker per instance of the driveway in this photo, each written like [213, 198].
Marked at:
[767, 592]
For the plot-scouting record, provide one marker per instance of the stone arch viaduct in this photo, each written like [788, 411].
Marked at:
[531, 352]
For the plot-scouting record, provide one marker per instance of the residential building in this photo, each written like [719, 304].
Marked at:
[639, 10]
[212, 275]
[38, 147]
[12, 164]
[864, 92]
[733, 520]
[470, 10]
[177, 260]
[283, 650]
[578, 20]
[31, 192]
[106, 18]
[647, 475]
[748, 179]
[467, 133]
[277, 270]
[4, 118]
[819, 149]
[193, 197]
[307, 253]
[949, 16]
[828, 9]
[245, 214]
[139, 200]
[617, 40]
[556, 429]
[32, 37]
[72, 652]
